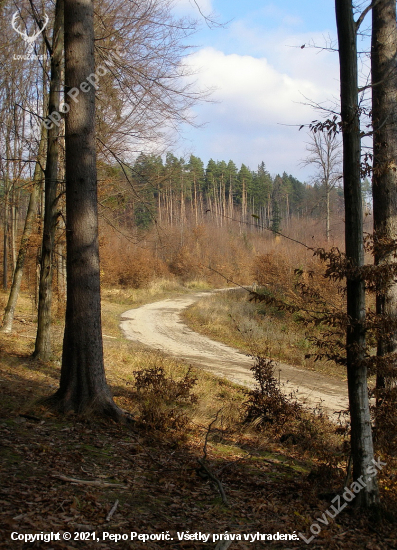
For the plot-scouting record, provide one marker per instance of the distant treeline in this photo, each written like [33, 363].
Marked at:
[176, 191]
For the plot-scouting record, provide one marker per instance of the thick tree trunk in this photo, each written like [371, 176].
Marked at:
[83, 386]
[384, 178]
[43, 337]
[27, 231]
[361, 433]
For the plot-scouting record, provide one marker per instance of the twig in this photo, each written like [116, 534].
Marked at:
[215, 480]
[210, 22]
[112, 511]
[95, 483]
[203, 465]
[208, 433]
[234, 462]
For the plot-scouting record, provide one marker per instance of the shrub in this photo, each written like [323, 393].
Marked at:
[266, 403]
[163, 403]
[127, 265]
[272, 270]
[184, 265]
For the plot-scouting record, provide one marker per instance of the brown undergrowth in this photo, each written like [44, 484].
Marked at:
[274, 482]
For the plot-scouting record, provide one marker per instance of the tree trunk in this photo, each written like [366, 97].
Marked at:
[384, 178]
[5, 236]
[83, 386]
[61, 272]
[43, 336]
[6, 225]
[13, 229]
[27, 231]
[361, 433]
[327, 228]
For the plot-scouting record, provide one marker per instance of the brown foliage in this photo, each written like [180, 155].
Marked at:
[127, 265]
[163, 402]
[184, 265]
[385, 417]
[267, 403]
[273, 270]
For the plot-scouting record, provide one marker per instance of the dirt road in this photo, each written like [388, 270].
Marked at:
[159, 326]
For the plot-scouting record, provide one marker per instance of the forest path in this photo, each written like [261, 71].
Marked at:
[159, 326]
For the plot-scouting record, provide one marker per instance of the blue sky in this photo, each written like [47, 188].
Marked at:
[262, 79]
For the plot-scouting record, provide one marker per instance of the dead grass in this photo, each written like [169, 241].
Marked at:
[231, 318]
[158, 289]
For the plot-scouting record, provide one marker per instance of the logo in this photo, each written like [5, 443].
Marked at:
[30, 40]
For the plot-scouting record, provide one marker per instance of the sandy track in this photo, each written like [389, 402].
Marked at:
[159, 326]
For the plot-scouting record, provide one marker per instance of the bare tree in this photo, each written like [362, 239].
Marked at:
[13, 134]
[31, 216]
[325, 155]
[148, 89]
[43, 337]
[21, 101]
[361, 433]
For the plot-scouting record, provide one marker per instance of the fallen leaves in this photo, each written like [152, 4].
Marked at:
[67, 474]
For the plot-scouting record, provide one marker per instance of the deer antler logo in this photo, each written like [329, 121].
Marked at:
[28, 39]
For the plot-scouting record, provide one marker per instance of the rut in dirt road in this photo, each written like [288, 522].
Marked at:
[159, 326]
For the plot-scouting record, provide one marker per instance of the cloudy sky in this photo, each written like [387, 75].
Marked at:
[262, 79]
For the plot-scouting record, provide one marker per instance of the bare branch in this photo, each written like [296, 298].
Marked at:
[364, 13]
[215, 480]
[210, 22]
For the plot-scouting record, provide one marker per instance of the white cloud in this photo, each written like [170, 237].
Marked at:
[263, 81]
[252, 92]
[283, 49]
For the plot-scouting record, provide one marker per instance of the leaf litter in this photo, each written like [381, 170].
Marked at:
[49, 464]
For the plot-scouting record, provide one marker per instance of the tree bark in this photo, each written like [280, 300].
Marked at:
[43, 336]
[6, 225]
[83, 387]
[361, 432]
[27, 231]
[384, 178]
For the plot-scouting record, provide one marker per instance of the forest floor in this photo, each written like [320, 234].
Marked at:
[65, 474]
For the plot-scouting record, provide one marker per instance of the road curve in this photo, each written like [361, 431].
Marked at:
[159, 326]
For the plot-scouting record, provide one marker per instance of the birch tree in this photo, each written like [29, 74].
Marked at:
[324, 154]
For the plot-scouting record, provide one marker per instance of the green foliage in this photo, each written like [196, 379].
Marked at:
[143, 215]
[171, 188]
[276, 220]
